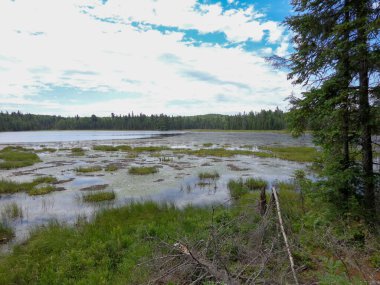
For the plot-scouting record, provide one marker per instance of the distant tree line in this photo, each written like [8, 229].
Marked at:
[263, 120]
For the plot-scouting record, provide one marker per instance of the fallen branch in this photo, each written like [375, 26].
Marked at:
[284, 235]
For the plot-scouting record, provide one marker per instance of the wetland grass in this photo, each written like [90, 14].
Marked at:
[142, 170]
[46, 149]
[208, 144]
[77, 151]
[89, 169]
[12, 211]
[216, 152]
[15, 157]
[6, 234]
[99, 197]
[208, 175]
[150, 148]
[32, 188]
[112, 148]
[293, 153]
[111, 167]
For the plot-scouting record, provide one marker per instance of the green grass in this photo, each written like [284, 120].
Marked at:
[119, 245]
[142, 170]
[12, 211]
[99, 197]
[208, 175]
[77, 151]
[6, 234]
[217, 152]
[111, 167]
[294, 153]
[208, 144]
[10, 187]
[89, 169]
[112, 148]
[138, 149]
[46, 149]
[43, 190]
[255, 183]
[16, 157]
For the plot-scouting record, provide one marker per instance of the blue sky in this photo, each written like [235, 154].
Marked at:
[180, 57]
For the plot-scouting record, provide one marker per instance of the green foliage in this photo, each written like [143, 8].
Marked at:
[255, 183]
[263, 120]
[99, 197]
[16, 157]
[89, 169]
[143, 170]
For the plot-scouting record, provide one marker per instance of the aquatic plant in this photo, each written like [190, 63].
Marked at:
[99, 197]
[41, 190]
[89, 169]
[142, 170]
[150, 148]
[112, 148]
[16, 157]
[217, 152]
[46, 149]
[77, 151]
[111, 167]
[255, 183]
[6, 233]
[208, 175]
[11, 211]
[293, 153]
[208, 144]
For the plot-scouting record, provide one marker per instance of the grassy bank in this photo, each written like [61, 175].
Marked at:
[161, 244]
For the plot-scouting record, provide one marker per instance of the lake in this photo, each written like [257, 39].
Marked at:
[176, 181]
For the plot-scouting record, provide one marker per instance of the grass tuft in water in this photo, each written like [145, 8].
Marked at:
[15, 157]
[255, 183]
[99, 197]
[77, 151]
[89, 169]
[217, 152]
[150, 148]
[208, 175]
[239, 187]
[6, 233]
[12, 211]
[208, 144]
[46, 149]
[111, 167]
[10, 187]
[112, 148]
[142, 170]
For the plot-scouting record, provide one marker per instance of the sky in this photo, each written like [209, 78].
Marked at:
[178, 57]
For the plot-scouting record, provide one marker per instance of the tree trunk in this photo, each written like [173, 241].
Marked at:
[364, 112]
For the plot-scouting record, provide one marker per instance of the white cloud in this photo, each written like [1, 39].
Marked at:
[47, 43]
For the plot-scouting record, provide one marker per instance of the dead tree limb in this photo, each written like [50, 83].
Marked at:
[284, 235]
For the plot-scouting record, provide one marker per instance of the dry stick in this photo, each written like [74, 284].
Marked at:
[284, 234]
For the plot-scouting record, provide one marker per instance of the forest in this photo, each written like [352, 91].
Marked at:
[263, 120]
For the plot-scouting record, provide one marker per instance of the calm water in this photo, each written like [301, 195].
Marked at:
[71, 136]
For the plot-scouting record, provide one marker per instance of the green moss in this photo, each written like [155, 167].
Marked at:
[294, 153]
[99, 197]
[16, 157]
[142, 170]
[208, 175]
[89, 169]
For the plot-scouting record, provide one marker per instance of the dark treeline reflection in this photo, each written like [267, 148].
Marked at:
[263, 120]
